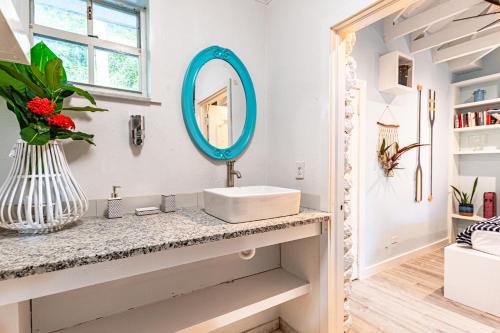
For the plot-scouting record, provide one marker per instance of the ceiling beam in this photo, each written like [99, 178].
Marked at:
[450, 8]
[468, 63]
[455, 30]
[466, 48]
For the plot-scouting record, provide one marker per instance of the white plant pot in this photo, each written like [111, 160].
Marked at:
[40, 194]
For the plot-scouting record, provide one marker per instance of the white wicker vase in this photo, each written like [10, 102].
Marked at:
[40, 194]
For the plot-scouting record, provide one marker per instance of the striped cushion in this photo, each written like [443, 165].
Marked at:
[493, 224]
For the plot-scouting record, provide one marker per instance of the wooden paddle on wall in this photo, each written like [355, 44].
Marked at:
[418, 173]
[432, 117]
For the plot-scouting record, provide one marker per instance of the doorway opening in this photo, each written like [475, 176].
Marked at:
[396, 47]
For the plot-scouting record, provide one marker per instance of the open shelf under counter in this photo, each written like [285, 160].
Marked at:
[474, 218]
[477, 104]
[207, 309]
[477, 128]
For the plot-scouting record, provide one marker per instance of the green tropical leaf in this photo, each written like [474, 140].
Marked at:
[84, 108]
[19, 77]
[80, 92]
[41, 54]
[38, 75]
[77, 136]
[53, 73]
[474, 187]
[41, 127]
[33, 137]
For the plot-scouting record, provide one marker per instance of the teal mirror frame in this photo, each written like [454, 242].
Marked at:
[188, 89]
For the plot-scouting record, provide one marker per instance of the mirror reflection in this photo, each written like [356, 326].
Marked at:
[220, 103]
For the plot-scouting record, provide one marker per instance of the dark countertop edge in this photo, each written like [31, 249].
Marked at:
[117, 255]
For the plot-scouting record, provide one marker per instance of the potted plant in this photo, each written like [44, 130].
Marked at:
[389, 156]
[465, 205]
[40, 194]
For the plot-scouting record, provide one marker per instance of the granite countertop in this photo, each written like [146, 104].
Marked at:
[94, 240]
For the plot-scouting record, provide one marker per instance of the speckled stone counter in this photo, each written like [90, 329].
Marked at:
[96, 240]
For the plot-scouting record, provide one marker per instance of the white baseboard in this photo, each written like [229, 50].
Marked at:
[399, 259]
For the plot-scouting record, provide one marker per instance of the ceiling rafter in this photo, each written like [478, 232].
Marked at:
[455, 30]
[468, 63]
[394, 27]
[474, 45]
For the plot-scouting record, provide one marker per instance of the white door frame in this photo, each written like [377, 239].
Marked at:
[359, 149]
[379, 10]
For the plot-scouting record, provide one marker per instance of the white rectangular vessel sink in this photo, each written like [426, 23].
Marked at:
[251, 203]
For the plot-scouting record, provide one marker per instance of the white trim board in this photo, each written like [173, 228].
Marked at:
[399, 259]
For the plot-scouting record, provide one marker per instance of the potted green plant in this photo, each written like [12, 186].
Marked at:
[40, 194]
[389, 156]
[465, 201]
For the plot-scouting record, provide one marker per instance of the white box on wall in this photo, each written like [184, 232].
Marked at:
[388, 78]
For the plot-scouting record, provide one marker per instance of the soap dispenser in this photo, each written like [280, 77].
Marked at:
[115, 205]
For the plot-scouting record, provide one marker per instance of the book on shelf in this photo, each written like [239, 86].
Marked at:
[477, 118]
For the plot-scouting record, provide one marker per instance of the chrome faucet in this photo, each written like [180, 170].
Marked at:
[231, 173]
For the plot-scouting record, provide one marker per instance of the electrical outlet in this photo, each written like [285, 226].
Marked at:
[300, 169]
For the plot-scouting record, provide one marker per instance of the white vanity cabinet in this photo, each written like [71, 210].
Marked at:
[193, 280]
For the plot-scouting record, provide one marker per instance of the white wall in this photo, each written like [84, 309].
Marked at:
[169, 161]
[390, 208]
[298, 89]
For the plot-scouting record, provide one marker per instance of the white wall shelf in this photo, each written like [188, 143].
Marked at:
[477, 152]
[207, 309]
[478, 104]
[479, 143]
[389, 73]
[474, 218]
[477, 128]
[478, 80]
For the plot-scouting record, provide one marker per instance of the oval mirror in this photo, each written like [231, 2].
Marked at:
[218, 103]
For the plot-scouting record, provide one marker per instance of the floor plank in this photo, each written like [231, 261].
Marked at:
[409, 298]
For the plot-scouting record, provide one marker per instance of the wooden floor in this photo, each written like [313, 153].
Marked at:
[409, 298]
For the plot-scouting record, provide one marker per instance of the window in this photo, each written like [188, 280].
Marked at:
[100, 43]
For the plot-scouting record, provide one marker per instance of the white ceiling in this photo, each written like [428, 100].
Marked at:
[432, 25]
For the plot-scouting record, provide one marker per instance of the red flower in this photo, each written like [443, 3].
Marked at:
[61, 121]
[41, 106]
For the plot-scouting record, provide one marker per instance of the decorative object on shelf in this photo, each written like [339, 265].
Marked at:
[490, 205]
[114, 210]
[404, 72]
[388, 160]
[432, 118]
[465, 202]
[418, 172]
[40, 194]
[168, 204]
[479, 95]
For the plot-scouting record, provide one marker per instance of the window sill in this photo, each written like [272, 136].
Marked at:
[111, 95]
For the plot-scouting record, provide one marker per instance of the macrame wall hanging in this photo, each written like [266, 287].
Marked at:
[388, 131]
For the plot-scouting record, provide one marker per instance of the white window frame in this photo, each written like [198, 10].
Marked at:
[92, 42]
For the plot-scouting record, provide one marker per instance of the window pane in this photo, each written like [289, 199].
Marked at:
[68, 15]
[115, 25]
[116, 70]
[74, 57]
